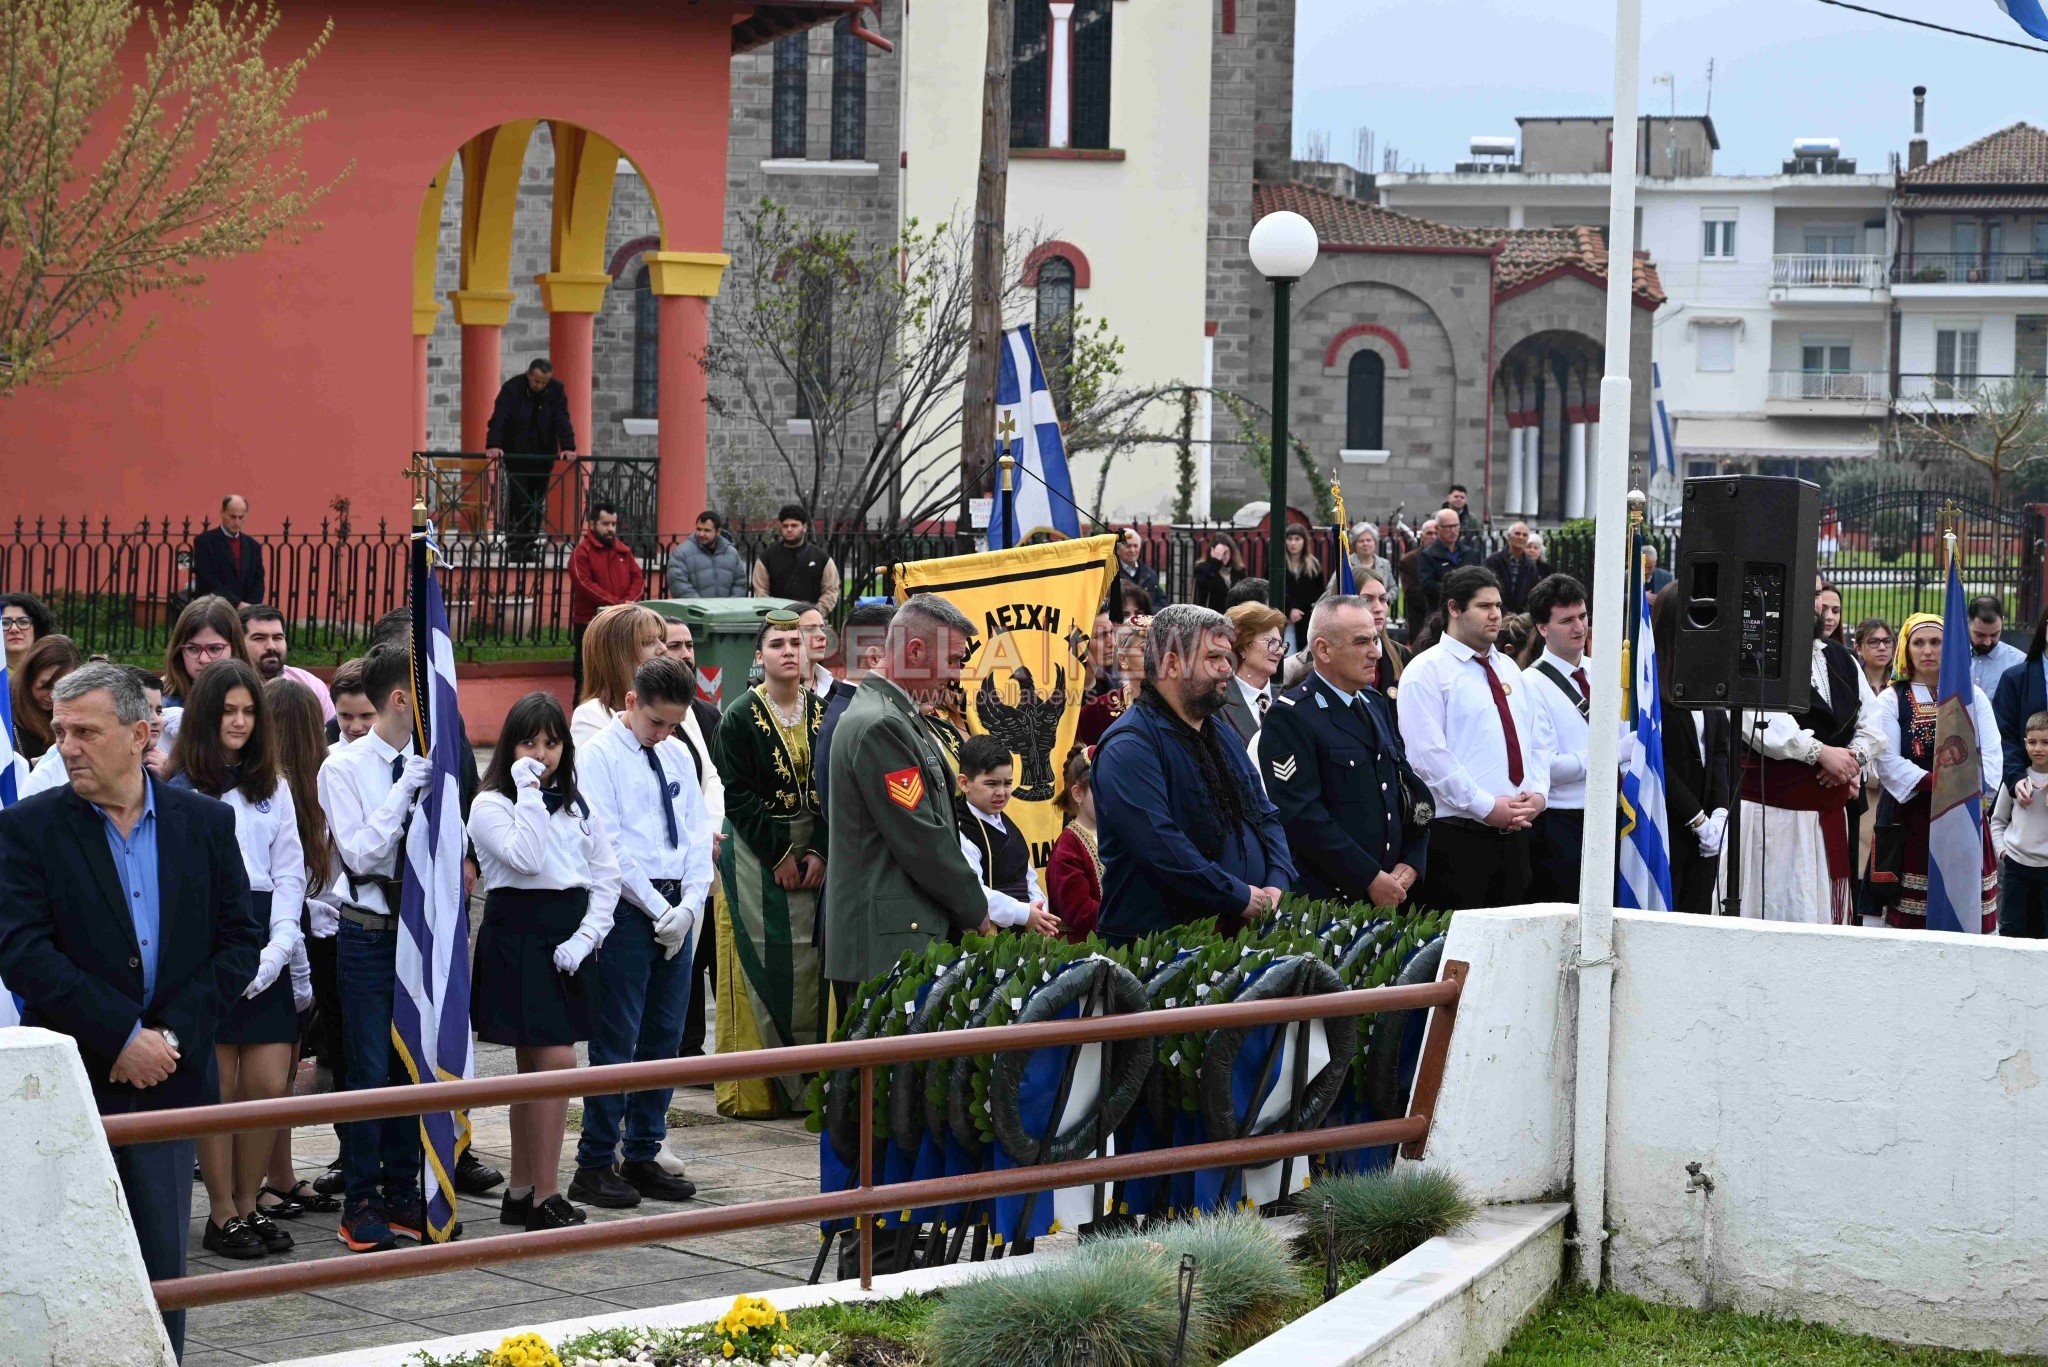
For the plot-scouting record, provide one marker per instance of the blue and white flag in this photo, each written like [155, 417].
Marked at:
[10, 765]
[1028, 428]
[1645, 851]
[1662, 453]
[430, 1009]
[2029, 15]
[1955, 831]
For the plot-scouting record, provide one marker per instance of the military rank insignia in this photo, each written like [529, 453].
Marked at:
[905, 787]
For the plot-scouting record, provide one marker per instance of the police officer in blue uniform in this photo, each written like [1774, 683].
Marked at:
[1355, 814]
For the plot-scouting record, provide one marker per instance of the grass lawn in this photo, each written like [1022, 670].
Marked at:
[1587, 1329]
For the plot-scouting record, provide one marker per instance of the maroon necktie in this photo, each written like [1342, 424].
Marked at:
[1579, 678]
[1507, 720]
[235, 550]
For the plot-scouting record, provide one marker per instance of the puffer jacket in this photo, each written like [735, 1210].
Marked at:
[694, 572]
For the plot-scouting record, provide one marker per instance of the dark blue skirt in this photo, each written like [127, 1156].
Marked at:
[516, 995]
[268, 1017]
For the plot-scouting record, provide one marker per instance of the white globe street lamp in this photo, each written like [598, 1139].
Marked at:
[1283, 247]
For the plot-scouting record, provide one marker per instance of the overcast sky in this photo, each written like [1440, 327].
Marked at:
[1427, 75]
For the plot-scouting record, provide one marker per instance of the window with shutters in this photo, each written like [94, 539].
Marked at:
[792, 91]
[1717, 235]
[1030, 73]
[1714, 346]
[849, 93]
[1090, 86]
[1365, 402]
[646, 348]
[1054, 329]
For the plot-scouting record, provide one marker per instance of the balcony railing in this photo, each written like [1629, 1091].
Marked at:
[1844, 386]
[1959, 388]
[1970, 268]
[1827, 270]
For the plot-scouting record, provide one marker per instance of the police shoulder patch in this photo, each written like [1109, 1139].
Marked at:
[1284, 769]
[905, 787]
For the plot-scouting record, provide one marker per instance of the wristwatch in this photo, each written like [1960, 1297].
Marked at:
[170, 1035]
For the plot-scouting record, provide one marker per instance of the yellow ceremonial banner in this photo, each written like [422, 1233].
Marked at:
[1034, 607]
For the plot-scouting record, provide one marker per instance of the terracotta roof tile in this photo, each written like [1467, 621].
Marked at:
[1525, 254]
[2012, 156]
[1977, 201]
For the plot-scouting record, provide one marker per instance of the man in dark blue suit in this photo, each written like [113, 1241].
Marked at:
[2022, 691]
[125, 923]
[227, 560]
[1334, 767]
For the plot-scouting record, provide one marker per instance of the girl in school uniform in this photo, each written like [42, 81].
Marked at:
[550, 882]
[226, 750]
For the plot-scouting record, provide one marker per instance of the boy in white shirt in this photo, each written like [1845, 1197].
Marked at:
[995, 847]
[2019, 832]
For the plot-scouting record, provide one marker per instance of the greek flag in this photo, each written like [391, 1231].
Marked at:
[1347, 582]
[1662, 452]
[10, 765]
[1645, 858]
[2029, 15]
[1041, 497]
[430, 1009]
[1955, 833]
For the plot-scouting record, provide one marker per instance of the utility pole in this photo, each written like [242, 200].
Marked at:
[985, 310]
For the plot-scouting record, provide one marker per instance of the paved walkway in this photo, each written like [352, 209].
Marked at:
[729, 1160]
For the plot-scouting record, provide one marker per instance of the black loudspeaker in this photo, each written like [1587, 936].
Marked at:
[1746, 563]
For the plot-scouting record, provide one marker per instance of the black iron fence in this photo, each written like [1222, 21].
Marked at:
[118, 590]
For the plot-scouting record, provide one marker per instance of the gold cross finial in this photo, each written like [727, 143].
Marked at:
[417, 471]
[1008, 426]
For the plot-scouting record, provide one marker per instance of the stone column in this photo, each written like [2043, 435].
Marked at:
[1575, 472]
[684, 284]
[1515, 435]
[572, 300]
[1059, 83]
[481, 314]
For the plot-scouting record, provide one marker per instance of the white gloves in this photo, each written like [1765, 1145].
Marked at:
[570, 954]
[672, 928]
[1712, 832]
[269, 964]
[526, 772]
[418, 769]
[302, 978]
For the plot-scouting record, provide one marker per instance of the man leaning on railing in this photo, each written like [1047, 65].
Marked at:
[530, 421]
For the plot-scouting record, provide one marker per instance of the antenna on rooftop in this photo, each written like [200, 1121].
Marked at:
[1710, 86]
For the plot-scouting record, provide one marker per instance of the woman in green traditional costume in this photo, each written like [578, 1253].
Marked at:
[772, 864]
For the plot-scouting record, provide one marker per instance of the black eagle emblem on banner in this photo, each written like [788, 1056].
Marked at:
[1030, 727]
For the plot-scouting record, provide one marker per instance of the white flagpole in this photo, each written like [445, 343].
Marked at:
[1609, 589]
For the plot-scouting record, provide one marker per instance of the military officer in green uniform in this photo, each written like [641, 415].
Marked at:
[899, 879]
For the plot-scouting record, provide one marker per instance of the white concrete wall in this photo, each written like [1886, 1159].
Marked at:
[1996, 328]
[1142, 222]
[1868, 1105]
[72, 1285]
[1870, 1109]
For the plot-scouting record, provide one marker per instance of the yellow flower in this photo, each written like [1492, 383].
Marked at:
[728, 1350]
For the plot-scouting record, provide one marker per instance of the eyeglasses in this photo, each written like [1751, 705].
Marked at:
[15, 624]
[197, 650]
[1885, 641]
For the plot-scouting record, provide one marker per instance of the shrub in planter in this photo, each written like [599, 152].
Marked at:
[1244, 1279]
[1121, 1302]
[1379, 1216]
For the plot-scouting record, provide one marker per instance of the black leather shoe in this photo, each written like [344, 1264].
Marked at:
[276, 1238]
[515, 1210]
[472, 1178]
[655, 1183]
[233, 1240]
[554, 1213]
[602, 1187]
[330, 1182]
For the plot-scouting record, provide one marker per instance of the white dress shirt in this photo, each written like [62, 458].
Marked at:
[366, 813]
[822, 685]
[612, 774]
[1252, 696]
[1899, 775]
[1453, 733]
[1776, 735]
[1003, 909]
[267, 830]
[590, 717]
[519, 844]
[1568, 730]
[46, 773]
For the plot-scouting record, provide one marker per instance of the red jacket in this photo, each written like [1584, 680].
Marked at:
[601, 575]
[1073, 892]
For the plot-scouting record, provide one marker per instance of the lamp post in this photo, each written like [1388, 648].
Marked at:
[1283, 246]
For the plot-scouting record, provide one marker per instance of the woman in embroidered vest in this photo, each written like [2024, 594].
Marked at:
[225, 750]
[1799, 773]
[1906, 717]
[1073, 876]
[772, 864]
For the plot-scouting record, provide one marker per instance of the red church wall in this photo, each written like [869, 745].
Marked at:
[290, 377]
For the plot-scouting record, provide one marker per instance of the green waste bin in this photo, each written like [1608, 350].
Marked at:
[724, 629]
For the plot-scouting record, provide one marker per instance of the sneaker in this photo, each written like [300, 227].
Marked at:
[516, 1210]
[233, 1240]
[364, 1230]
[472, 1177]
[554, 1213]
[651, 1181]
[409, 1219]
[276, 1238]
[602, 1187]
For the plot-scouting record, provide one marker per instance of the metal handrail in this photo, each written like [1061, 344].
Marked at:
[1410, 1131]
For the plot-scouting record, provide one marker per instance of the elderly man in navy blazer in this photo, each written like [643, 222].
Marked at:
[227, 560]
[125, 923]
